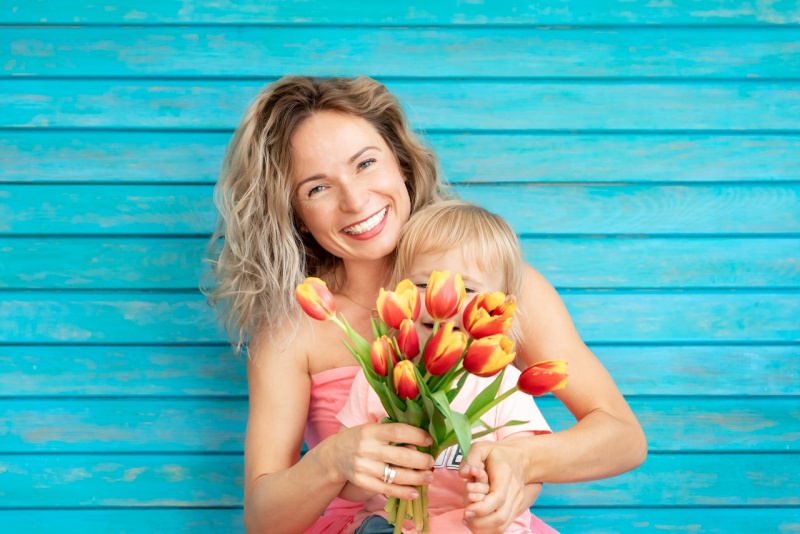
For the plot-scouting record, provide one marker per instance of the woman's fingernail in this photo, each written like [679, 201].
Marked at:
[468, 515]
[413, 495]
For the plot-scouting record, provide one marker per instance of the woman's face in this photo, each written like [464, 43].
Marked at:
[348, 189]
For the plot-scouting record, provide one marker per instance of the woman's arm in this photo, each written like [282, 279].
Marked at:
[284, 493]
[605, 441]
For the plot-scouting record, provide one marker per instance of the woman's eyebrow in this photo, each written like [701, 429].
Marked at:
[358, 154]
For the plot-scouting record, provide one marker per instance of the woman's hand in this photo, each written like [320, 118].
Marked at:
[361, 454]
[506, 498]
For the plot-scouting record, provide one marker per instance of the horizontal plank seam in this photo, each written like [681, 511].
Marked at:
[500, 79]
[381, 24]
[555, 132]
[591, 343]
[571, 290]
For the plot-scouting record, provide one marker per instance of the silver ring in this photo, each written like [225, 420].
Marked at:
[389, 474]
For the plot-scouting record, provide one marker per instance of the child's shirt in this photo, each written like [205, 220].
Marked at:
[446, 492]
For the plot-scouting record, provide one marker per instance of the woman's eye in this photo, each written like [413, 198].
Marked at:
[469, 290]
[314, 190]
[366, 164]
[422, 285]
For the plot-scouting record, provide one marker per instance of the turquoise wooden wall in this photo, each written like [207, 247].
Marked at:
[648, 153]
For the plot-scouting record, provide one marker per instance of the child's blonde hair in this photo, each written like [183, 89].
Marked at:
[479, 234]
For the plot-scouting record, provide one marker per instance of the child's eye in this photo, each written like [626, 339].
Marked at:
[470, 291]
[366, 164]
[422, 285]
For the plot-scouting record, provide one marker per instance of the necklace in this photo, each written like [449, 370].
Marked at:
[367, 308]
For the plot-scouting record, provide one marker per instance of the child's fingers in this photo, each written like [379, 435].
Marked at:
[476, 491]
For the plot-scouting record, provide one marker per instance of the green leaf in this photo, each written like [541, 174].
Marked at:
[489, 429]
[458, 421]
[484, 397]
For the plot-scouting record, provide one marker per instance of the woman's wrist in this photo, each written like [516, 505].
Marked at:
[324, 455]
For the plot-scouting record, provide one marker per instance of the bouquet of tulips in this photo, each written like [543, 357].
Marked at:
[416, 382]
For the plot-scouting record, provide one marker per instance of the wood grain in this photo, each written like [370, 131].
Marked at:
[39, 155]
[647, 106]
[406, 12]
[506, 52]
[531, 209]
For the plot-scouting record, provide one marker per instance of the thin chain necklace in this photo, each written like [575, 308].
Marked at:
[367, 308]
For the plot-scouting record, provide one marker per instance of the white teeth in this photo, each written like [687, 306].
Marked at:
[367, 225]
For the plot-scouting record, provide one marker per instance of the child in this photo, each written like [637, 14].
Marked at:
[464, 238]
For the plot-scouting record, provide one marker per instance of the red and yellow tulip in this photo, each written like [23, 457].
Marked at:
[379, 353]
[402, 303]
[543, 377]
[444, 349]
[489, 355]
[444, 295]
[405, 380]
[316, 299]
[408, 339]
[488, 314]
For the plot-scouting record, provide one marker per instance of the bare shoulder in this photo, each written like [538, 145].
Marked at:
[548, 333]
[547, 328]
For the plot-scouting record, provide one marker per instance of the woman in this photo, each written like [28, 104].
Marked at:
[318, 181]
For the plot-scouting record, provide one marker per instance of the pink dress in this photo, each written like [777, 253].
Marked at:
[329, 392]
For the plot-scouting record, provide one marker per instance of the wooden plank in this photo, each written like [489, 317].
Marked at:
[703, 519]
[602, 317]
[479, 51]
[138, 425]
[739, 479]
[209, 370]
[127, 480]
[432, 105]
[177, 263]
[690, 480]
[29, 156]
[569, 519]
[102, 263]
[108, 521]
[702, 423]
[120, 371]
[666, 262]
[710, 370]
[532, 209]
[683, 424]
[403, 12]
[40, 155]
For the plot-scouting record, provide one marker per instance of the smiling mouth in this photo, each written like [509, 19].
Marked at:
[367, 224]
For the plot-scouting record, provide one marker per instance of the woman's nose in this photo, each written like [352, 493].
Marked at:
[353, 198]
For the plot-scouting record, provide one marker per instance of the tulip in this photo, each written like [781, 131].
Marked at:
[402, 303]
[444, 349]
[380, 351]
[408, 339]
[316, 299]
[489, 355]
[488, 314]
[405, 380]
[542, 377]
[444, 294]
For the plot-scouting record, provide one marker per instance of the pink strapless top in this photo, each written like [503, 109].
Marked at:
[329, 391]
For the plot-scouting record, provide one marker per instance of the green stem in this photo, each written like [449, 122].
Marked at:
[401, 515]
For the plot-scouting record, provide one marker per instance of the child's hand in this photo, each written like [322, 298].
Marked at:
[476, 485]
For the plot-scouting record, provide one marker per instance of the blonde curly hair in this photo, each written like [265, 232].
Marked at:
[257, 251]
